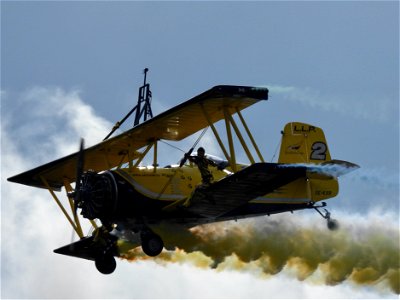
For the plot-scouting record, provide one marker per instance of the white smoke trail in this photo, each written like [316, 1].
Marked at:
[375, 110]
[332, 168]
[380, 178]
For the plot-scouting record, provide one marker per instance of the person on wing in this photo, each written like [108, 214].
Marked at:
[206, 176]
[202, 163]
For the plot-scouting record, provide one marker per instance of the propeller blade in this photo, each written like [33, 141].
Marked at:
[79, 172]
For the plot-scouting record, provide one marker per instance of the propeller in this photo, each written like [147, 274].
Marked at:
[76, 194]
[79, 173]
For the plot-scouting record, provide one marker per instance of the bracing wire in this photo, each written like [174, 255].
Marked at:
[190, 151]
[200, 137]
[175, 147]
[194, 145]
[276, 150]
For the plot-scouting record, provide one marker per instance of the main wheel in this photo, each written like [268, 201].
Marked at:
[152, 244]
[106, 264]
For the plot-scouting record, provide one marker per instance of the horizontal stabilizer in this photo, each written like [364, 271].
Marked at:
[84, 248]
[333, 168]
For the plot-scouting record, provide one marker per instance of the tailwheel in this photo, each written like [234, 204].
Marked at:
[105, 264]
[152, 244]
[331, 223]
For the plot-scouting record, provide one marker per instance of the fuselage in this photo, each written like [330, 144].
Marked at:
[141, 195]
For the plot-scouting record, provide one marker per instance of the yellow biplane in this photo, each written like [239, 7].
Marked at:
[121, 198]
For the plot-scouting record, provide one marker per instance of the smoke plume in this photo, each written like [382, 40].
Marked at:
[362, 253]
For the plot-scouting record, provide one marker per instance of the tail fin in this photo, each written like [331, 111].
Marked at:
[303, 143]
[306, 144]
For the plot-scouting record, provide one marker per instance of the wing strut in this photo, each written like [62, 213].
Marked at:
[239, 135]
[230, 140]
[215, 133]
[73, 205]
[250, 135]
[144, 153]
[230, 122]
[76, 227]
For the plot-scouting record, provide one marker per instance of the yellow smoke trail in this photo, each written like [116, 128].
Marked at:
[368, 255]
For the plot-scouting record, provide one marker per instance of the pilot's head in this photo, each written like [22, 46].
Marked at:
[201, 152]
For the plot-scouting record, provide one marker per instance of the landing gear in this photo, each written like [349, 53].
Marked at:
[105, 264]
[331, 223]
[152, 244]
[106, 248]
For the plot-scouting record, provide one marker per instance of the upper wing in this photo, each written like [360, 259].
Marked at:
[235, 190]
[174, 124]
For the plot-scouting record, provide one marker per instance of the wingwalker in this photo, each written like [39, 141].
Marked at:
[124, 201]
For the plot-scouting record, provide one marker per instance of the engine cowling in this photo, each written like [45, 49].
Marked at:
[98, 195]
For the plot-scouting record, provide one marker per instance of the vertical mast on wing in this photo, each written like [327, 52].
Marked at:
[144, 97]
[145, 111]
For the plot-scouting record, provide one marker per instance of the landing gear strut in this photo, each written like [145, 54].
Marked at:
[331, 223]
[106, 249]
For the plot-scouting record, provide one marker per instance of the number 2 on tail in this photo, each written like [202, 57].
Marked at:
[318, 151]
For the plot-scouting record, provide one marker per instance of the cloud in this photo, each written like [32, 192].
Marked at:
[44, 124]
[53, 117]
[382, 110]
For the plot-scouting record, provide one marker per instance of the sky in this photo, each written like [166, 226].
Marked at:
[72, 69]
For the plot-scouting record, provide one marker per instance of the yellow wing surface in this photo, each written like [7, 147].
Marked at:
[173, 125]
